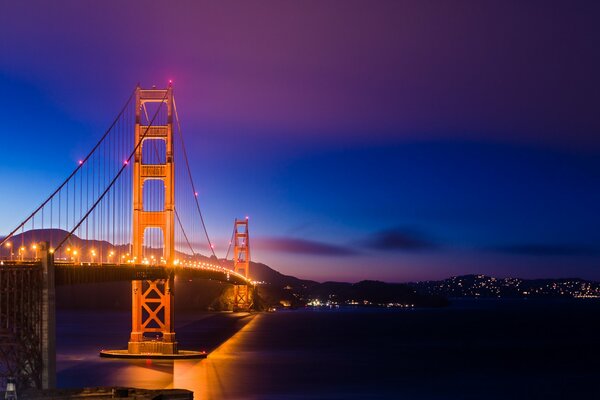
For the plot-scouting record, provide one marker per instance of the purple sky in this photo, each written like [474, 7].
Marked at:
[392, 140]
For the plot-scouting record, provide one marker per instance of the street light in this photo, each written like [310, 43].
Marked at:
[34, 247]
[22, 253]
[93, 255]
[9, 247]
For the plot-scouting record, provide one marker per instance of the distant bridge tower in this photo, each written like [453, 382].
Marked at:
[241, 264]
[152, 301]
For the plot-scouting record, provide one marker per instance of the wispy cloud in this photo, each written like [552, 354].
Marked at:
[398, 239]
[302, 246]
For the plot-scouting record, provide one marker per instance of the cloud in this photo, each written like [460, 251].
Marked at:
[302, 246]
[546, 250]
[398, 239]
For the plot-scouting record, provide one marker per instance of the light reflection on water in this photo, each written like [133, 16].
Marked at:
[454, 353]
[214, 377]
[79, 365]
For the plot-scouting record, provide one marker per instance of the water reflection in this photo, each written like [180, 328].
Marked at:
[79, 364]
[215, 377]
[457, 352]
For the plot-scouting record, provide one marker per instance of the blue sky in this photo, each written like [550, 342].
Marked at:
[389, 140]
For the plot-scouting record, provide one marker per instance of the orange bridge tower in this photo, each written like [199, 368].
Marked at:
[241, 264]
[152, 300]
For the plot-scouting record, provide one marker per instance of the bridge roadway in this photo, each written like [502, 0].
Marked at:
[76, 273]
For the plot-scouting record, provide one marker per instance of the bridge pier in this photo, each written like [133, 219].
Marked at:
[152, 311]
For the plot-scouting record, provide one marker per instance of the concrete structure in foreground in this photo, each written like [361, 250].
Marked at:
[48, 328]
[102, 393]
[27, 323]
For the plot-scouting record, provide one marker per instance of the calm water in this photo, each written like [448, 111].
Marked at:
[472, 350]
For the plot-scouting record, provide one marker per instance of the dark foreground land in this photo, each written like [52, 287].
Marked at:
[490, 349]
[104, 393]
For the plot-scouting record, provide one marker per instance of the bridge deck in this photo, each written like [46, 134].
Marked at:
[76, 273]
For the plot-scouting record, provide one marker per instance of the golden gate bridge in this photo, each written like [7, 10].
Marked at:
[124, 213]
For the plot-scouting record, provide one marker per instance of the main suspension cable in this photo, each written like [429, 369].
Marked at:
[125, 164]
[66, 181]
[210, 245]
[230, 242]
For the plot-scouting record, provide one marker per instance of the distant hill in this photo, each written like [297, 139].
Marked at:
[373, 293]
[274, 288]
[486, 286]
[262, 272]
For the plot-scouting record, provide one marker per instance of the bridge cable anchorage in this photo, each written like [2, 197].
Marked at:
[66, 181]
[195, 193]
[125, 164]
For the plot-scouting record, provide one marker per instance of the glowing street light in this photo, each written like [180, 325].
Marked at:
[8, 245]
[93, 253]
[22, 252]
[34, 247]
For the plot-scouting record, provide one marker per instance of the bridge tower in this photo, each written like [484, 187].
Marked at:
[241, 264]
[152, 300]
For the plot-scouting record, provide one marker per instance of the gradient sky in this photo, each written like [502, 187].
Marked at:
[391, 140]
